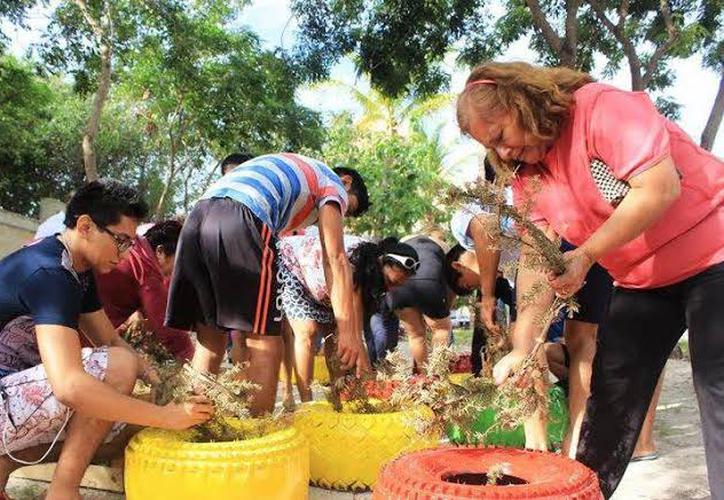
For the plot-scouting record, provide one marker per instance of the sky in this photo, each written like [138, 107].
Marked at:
[695, 87]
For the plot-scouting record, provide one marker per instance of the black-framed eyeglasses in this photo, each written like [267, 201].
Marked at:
[123, 243]
[407, 262]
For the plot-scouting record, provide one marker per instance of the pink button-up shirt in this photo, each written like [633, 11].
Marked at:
[625, 131]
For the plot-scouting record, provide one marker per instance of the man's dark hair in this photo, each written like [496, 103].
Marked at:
[358, 188]
[164, 234]
[105, 201]
[451, 274]
[234, 160]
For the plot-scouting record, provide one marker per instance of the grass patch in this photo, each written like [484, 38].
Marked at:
[684, 345]
[463, 338]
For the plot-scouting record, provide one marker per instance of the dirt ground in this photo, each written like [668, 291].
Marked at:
[679, 473]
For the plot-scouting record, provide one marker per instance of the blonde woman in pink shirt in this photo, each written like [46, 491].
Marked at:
[634, 193]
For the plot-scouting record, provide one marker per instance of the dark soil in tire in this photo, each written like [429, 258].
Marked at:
[480, 478]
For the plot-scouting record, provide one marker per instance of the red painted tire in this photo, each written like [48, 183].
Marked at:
[461, 364]
[419, 475]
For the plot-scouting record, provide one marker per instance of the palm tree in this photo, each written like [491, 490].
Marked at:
[384, 114]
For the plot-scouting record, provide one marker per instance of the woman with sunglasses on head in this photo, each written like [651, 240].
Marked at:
[634, 193]
[376, 268]
[424, 301]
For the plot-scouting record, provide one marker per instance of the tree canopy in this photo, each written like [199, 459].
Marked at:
[402, 44]
[187, 85]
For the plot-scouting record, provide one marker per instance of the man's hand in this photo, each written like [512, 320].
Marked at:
[351, 353]
[504, 367]
[487, 313]
[196, 410]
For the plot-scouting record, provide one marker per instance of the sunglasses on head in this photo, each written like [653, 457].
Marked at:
[408, 263]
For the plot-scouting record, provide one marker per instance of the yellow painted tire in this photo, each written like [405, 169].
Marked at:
[348, 450]
[459, 378]
[164, 465]
[321, 373]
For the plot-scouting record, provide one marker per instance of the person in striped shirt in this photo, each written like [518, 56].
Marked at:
[225, 275]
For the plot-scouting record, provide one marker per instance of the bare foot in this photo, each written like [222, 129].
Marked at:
[288, 402]
[60, 490]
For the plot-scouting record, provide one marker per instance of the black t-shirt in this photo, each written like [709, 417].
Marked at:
[38, 281]
[427, 289]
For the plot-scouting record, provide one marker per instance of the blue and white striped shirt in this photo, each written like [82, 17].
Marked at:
[285, 191]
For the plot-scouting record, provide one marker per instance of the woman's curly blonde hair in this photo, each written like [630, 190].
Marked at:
[539, 98]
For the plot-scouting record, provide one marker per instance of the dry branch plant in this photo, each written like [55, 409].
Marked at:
[452, 403]
[525, 392]
[352, 394]
[231, 396]
[393, 388]
[143, 341]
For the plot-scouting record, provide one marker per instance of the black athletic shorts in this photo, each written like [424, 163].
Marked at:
[225, 273]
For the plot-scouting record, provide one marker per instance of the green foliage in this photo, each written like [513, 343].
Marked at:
[401, 173]
[24, 101]
[402, 43]
[14, 11]
[399, 43]
[188, 86]
[206, 90]
[41, 122]
[220, 86]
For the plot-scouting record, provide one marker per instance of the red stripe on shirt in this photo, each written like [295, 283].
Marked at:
[309, 173]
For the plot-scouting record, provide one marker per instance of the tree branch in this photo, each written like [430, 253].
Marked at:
[95, 25]
[539, 18]
[671, 34]
[715, 116]
[623, 11]
[103, 35]
[620, 34]
[570, 42]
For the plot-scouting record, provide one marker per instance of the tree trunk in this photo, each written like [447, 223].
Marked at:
[94, 121]
[712, 124]
[568, 56]
[637, 81]
[174, 143]
[167, 184]
[103, 36]
[169, 177]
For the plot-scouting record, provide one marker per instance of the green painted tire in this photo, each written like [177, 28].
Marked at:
[557, 425]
